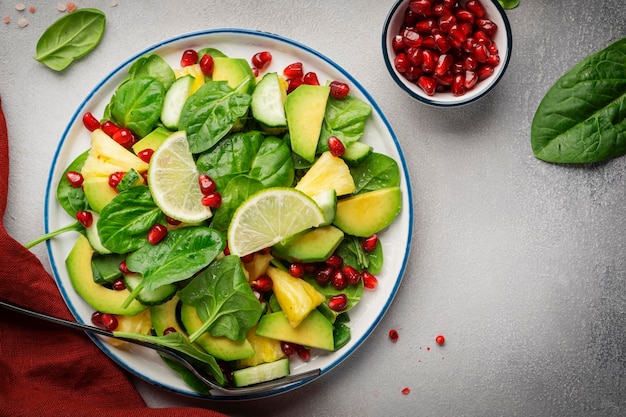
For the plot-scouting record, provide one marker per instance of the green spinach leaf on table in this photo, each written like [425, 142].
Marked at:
[582, 117]
[223, 300]
[71, 37]
[124, 222]
[344, 118]
[137, 104]
[375, 172]
[71, 198]
[210, 113]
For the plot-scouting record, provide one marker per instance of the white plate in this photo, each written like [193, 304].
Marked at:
[243, 44]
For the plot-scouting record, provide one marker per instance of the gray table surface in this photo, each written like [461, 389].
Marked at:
[519, 263]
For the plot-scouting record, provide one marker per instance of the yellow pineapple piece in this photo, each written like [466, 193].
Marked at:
[258, 265]
[195, 72]
[296, 297]
[265, 350]
[140, 323]
[106, 156]
[328, 172]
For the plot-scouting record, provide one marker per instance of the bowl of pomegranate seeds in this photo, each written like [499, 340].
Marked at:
[447, 52]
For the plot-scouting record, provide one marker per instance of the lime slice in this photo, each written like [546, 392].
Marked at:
[270, 216]
[173, 181]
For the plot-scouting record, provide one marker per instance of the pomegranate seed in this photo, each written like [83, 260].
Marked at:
[263, 283]
[124, 137]
[457, 33]
[429, 43]
[310, 78]
[115, 178]
[338, 302]
[171, 221]
[289, 349]
[293, 83]
[401, 62]
[458, 85]
[335, 261]
[420, 6]
[265, 251]
[440, 340]
[336, 146]
[394, 335]
[323, 275]
[412, 39]
[353, 276]
[446, 21]
[493, 60]
[428, 84]
[339, 280]
[442, 42]
[294, 71]
[471, 78]
[310, 268]
[90, 122]
[156, 233]
[168, 331]
[397, 43]
[479, 52]
[84, 217]
[96, 319]
[429, 61]
[406, 391]
[443, 64]
[487, 26]
[110, 128]
[296, 270]
[303, 352]
[226, 250]
[369, 280]
[246, 259]
[426, 26]
[75, 178]
[261, 60]
[444, 80]
[484, 71]
[207, 184]
[123, 267]
[339, 89]
[109, 321]
[470, 63]
[475, 7]
[206, 64]
[370, 243]
[145, 155]
[465, 16]
[118, 284]
[255, 71]
[212, 200]
[481, 37]
[190, 57]
[414, 56]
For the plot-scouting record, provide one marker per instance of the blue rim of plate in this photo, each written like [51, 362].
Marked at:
[77, 117]
[426, 100]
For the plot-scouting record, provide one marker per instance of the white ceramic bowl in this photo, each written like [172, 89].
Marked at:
[502, 39]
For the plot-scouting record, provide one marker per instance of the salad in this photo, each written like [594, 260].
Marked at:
[184, 163]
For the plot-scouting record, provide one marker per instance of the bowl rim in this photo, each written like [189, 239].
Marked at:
[462, 99]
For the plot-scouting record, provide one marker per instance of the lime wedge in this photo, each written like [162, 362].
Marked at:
[173, 181]
[269, 217]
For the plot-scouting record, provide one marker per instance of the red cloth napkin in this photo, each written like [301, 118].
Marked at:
[47, 370]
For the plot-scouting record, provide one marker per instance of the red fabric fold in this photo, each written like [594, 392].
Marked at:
[47, 370]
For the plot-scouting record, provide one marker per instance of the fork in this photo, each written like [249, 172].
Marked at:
[179, 357]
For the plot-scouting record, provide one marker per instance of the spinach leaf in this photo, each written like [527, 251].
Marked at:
[353, 292]
[273, 165]
[137, 104]
[223, 299]
[232, 156]
[582, 118]
[353, 254]
[187, 376]
[375, 172]
[210, 113]
[154, 66]
[71, 198]
[182, 346]
[236, 192]
[344, 118]
[71, 37]
[125, 221]
[181, 254]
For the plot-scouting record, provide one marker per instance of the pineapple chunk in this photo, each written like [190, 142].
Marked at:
[265, 350]
[106, 156]
[140, 323]
[257, 266]
[297, 298]
[195, 72]
[328, 172]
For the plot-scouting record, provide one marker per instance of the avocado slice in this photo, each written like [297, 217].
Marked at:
[315, 245]
[368, 213]
[305, 108]
[220, 347]
[314, 331]
[101, 298]
[236, 71]
[164, 316]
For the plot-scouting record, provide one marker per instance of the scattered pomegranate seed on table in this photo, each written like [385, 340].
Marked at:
[394, 335]
[440, 340]
[406, 391]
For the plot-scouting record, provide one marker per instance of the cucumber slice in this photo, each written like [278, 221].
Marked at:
[150, 297]
[268, 100]
[175, 100]
[327, 201]
[94, 238]
[261, 373]
[356, 153]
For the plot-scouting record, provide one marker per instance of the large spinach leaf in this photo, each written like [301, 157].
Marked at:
[137, 104]
[344, 118]
[210, 113]
[232, 156]
[273, 165]
[154, 66]
[236, 192]
[223, 299]
[124, 222]
[582, 117]
[181, 254]
[71, 37]
[71, 198]
[375, 172]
